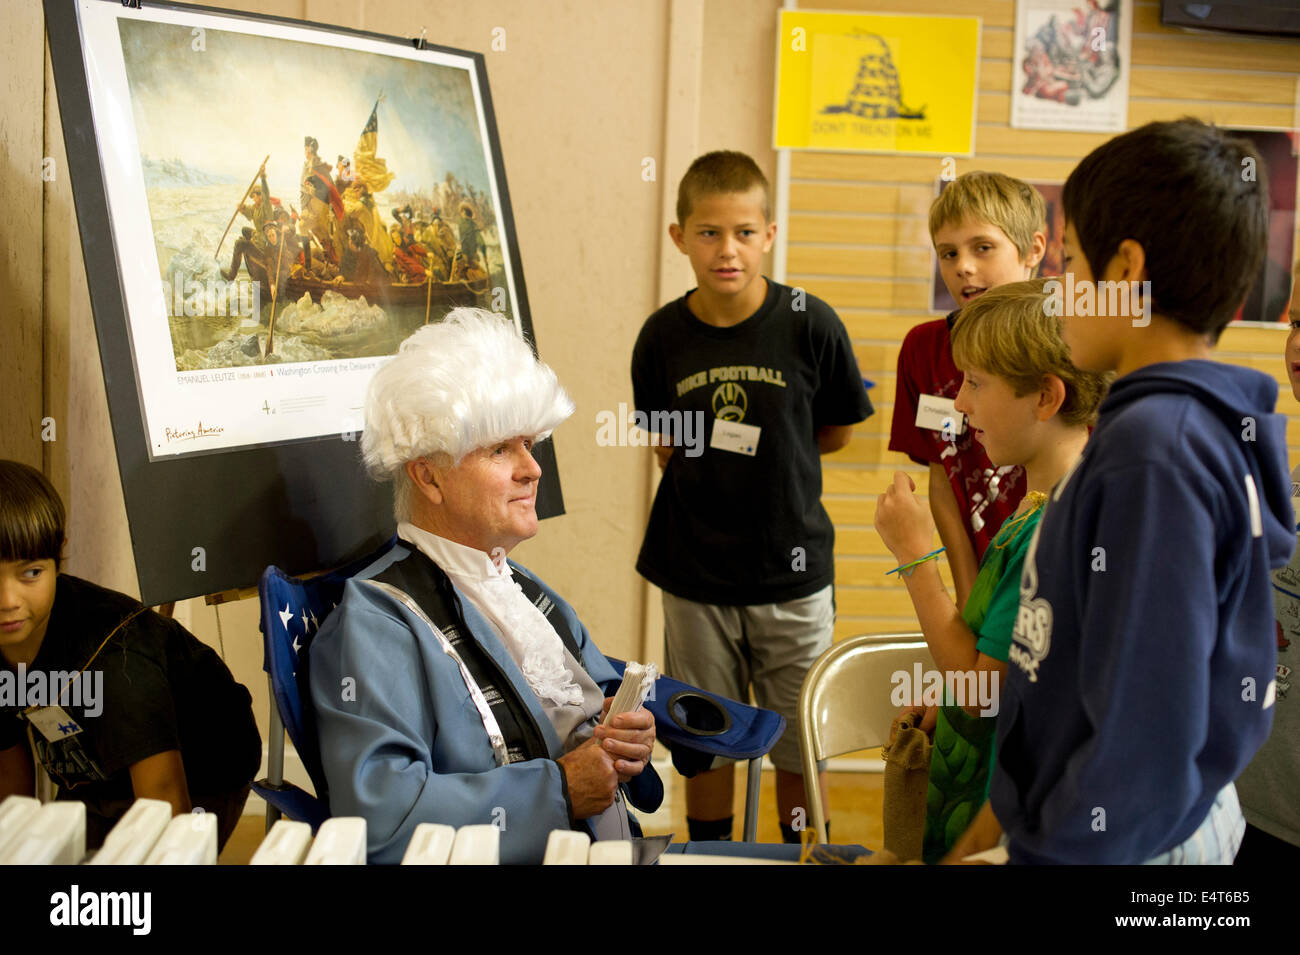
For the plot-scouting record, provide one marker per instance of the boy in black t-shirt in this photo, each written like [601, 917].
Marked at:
[752, 381]
[117, 702]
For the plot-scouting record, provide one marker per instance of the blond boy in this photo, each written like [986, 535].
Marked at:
[988, 229]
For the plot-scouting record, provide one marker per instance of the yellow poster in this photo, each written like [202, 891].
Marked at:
[881, 84]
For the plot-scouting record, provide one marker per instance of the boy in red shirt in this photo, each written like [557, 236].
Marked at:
[988, 229]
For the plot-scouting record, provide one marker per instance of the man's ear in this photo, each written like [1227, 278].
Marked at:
[1051, 396]
[769, 235]
[424, 476]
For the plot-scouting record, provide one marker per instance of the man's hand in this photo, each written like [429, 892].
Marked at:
[903, 522]
[592, 779]
[628, 739]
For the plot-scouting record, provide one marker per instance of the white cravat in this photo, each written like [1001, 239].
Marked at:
[570, 698]
[530, 639]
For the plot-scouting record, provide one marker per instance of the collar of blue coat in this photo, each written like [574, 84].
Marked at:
[484, 634]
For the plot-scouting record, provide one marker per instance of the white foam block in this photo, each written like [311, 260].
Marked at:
[610, 852]
[339, 841]
[189, 839]
[430, 844]
[16, 814]
[286, 844]
[135, 834]
[565, 847]
[476, 845]
[54, 835]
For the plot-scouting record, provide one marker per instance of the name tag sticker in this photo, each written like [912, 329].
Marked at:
[734, 436]
[53, 722]
[939, 414]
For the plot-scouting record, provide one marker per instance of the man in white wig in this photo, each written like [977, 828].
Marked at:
[450, 685]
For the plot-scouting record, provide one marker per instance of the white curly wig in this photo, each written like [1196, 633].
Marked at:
[461, 384]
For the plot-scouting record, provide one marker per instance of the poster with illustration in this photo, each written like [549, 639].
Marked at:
[1071, 65]
[876, 83]
[1052, 264]
[289, 204]
[266, 209]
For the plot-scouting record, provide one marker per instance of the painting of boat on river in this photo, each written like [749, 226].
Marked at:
[304, 233]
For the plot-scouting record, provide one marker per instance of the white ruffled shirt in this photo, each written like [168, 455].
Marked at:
[568, 695]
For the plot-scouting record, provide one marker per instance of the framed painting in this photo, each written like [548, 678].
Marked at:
[267, 209]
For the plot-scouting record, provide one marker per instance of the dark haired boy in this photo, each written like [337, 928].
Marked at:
[1142, 662]
[155, 714]
[738, 539]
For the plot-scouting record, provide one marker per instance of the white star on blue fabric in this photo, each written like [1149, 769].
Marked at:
[285, 616]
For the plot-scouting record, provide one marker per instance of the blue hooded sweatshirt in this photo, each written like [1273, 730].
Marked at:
[1140, 679]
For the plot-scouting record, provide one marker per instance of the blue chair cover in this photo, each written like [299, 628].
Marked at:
[292, 612]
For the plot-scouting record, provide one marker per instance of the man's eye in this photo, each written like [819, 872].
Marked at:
[33, 572]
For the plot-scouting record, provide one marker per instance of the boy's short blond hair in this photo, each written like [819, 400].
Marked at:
[722, 172]
[1007, 332]
[1015, 207]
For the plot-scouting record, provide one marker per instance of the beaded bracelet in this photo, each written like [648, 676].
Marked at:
[905, 570]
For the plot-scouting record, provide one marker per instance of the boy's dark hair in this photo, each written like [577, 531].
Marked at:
[723, 172]
[31, 515]
[1195, 199]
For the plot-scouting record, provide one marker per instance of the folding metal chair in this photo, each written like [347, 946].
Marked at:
[844, 704]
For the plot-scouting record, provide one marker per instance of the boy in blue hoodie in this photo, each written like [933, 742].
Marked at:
[1142, 660]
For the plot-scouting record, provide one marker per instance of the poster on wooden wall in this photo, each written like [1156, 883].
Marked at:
[1071, 65]
[876, 83]
[1053, 259]
[267, 209]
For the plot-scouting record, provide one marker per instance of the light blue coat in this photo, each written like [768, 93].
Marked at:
[402, 742]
